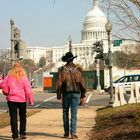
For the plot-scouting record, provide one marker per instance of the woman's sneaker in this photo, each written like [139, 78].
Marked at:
[16, 139]
[23, 137]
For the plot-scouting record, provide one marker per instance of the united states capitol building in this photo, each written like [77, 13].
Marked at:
[93, 30]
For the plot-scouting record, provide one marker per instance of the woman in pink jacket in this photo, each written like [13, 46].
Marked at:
[20, 92]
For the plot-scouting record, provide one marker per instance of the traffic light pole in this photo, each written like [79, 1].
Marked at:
[98, 75]
[12, 43]
[70, 44]
[99, 56]
[15, 43]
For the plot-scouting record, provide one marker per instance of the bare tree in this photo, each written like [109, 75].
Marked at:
[125, 17]
[29, 67]
[5, 63]
[53, 1]
[42, 62]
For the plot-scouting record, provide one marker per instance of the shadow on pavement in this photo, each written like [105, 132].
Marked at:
[43, 134]
[46, 105]
[103, 108]
[5, 138]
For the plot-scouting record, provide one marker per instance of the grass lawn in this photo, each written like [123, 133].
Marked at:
[119, 123]
[5, 120]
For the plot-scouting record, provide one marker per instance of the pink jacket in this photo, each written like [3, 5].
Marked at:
[19, 90]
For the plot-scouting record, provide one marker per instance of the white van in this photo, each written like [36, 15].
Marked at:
[126, 82]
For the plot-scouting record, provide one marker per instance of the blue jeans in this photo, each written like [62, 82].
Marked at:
[70, 100]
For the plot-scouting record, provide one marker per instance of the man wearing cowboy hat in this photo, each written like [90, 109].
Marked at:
[70, 87]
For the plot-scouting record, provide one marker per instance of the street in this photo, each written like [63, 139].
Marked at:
[49, 101]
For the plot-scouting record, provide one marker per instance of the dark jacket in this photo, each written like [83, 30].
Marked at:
[70, 80]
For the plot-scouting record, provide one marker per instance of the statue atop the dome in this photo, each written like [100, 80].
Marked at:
[95, 3]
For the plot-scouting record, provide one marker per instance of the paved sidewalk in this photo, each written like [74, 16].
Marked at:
[47, 125]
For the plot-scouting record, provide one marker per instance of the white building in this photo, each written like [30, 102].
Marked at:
[93, 30]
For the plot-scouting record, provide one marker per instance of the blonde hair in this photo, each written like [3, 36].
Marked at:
[17, 72]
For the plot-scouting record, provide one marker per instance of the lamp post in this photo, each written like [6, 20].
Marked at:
[108, 27]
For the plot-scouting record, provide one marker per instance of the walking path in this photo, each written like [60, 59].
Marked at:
[47, 125]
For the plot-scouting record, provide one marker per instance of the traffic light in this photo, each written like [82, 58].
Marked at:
[17, 48]
[99, 50]
[17, 42]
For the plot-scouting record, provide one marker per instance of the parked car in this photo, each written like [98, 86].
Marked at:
[125, 82]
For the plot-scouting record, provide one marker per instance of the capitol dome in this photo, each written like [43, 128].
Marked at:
[94, 24]
[95, 14]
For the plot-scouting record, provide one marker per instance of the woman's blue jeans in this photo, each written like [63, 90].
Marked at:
[70, 100]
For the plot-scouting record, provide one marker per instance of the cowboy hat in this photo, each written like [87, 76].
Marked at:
[68, 57]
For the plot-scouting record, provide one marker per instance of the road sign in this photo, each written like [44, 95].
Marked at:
[117, 43]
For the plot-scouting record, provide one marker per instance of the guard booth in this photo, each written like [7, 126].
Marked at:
[49, 80]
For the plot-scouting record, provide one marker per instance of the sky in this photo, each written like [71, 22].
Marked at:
[43, 22]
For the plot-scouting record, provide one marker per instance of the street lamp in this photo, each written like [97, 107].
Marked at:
[108, 27]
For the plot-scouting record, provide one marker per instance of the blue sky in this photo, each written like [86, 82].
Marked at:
[43, 23]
